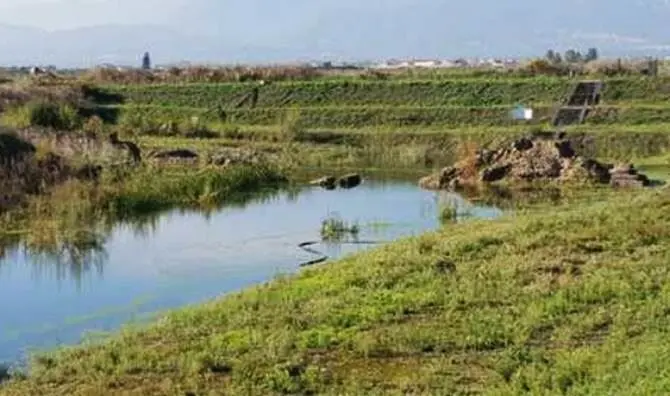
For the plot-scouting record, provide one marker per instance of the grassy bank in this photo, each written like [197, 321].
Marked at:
[568, 301]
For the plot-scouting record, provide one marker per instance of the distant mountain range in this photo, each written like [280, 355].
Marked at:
[373, 30]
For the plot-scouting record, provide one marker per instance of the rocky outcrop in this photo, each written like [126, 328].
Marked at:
[347, 181]
[350, 181]
[540, 156]
[327, 182]
[627, 176]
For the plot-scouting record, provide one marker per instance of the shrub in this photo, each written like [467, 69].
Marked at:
[94, 125]
[49, 114]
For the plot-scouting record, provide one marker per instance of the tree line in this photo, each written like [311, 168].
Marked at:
[572, 56]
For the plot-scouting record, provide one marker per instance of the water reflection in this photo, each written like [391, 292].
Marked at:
[74, 251]
[81, 252]
[107, 272]
[72, 259]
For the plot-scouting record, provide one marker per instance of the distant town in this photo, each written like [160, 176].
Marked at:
[485, 63]
[386, 64]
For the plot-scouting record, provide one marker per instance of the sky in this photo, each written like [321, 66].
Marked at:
[240, 30]
[70, 14]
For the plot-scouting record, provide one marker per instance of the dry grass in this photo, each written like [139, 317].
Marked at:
[600, 67]
[467, 160]
[22, 92]
[202, 74]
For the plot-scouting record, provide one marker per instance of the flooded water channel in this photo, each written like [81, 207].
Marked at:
[185, 257]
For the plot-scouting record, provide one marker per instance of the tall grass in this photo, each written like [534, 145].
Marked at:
[159, 188]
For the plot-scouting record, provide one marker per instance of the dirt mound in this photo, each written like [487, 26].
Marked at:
[540, 156]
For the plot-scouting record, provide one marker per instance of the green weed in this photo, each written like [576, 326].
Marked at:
[334, 229]
[448, 214]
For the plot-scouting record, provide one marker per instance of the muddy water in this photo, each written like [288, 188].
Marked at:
[182, 258]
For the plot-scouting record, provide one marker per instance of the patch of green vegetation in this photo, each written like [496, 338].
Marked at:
[43, 113]
[161, 188]
[448, 214]
[334, 229]
[569, 299]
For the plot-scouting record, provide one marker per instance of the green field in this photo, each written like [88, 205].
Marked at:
[346, 104]
[463, 92]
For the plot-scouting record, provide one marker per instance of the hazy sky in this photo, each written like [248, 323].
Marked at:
[66, 14]
[280, 29]
[191, 16]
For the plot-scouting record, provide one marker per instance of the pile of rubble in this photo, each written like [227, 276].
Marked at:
[536, 157]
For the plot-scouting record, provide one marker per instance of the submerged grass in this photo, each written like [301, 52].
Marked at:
[569, 299]
[334, 229]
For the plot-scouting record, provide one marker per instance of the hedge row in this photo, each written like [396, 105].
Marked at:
[361, 117]
[464, 92]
